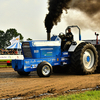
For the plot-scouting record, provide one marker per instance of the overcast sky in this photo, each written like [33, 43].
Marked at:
[27, 17]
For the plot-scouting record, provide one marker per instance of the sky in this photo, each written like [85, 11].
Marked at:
[27, 17]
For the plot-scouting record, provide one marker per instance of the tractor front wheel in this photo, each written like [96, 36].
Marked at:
[44, 69]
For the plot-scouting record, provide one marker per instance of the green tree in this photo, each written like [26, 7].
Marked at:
[29, 39]
[10, 33]
[2, 41]
[5, 37]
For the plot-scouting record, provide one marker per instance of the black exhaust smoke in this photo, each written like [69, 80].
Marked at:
[90, 7]
[91, 12]
[55, 8]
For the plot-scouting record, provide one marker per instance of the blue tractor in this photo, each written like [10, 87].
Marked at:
[42, 56]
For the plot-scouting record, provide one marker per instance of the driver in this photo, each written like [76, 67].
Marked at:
[69, 37]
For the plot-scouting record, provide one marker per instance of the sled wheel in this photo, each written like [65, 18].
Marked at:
[84, 60]
[23, 73]
[44, 69]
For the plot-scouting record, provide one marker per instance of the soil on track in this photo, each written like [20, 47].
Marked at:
[12, 85]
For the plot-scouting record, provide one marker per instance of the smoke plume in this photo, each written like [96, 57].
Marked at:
[91, 8]
[90, 14]
[55, 9]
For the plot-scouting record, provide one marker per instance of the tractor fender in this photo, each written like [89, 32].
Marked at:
[74, 45]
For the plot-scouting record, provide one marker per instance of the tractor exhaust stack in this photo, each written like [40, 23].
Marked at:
[48, 37]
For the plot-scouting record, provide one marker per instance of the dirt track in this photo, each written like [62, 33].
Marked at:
[12, 85]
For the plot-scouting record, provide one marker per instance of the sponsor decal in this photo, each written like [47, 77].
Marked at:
[49, 60]
[64, 63]
[49, 52]
[36, 51]
[65, 53]
[46, 49]
[11, 56]
[53, 59]
[26, 67]
[27, 62]
[39, 61]
[32, 61]
[3, 57]
[34, 66]
[64, 59]
[56, 63]
[45, 53]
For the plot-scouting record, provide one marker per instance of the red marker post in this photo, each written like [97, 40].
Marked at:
[97, 38]
[8, 63]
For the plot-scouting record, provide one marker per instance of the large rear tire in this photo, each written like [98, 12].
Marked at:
[84, 60]
[44, 69]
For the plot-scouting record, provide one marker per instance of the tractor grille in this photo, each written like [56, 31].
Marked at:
[26, 50]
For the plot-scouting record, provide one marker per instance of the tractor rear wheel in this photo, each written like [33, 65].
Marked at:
[23, 73]
[84, 60]
[44, 69]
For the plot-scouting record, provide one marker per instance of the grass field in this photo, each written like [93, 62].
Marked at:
[4, 65]
[4, 60]
[88, 95]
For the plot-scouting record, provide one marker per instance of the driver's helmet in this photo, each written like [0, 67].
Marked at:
[61, 35]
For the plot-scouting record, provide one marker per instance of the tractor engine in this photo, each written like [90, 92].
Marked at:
[40, 49]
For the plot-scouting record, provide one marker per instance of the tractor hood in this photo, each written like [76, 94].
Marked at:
[40, 49]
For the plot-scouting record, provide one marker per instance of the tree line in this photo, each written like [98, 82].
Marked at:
[5, 37]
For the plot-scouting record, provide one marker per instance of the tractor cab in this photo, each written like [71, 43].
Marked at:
[65, 43]
[67, 39]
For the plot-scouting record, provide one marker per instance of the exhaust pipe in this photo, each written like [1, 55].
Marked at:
[48, 36]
